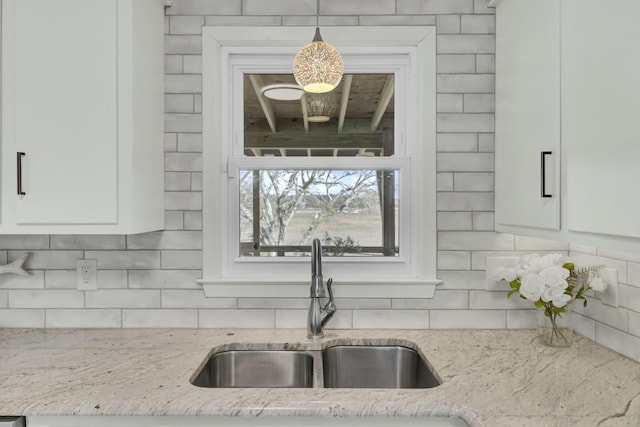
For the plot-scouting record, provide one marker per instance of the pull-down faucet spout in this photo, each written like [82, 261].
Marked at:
[318, 316]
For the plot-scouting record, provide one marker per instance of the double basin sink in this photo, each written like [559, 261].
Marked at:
[339, 366]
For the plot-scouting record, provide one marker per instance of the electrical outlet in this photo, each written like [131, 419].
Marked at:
[495, 266]
[87, 273]
[610, 295]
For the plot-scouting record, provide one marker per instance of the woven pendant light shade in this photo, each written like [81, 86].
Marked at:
[318, 66]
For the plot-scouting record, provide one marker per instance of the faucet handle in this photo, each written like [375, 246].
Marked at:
[329, 282]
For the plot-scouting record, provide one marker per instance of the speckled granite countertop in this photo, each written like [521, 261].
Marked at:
[490, 377]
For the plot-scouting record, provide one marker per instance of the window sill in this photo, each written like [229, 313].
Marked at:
[391, 287]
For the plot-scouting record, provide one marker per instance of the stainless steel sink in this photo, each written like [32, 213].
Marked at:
[342, 366]
[347, 366]
[257, 368]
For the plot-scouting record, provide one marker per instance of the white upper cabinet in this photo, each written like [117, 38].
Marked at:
[601, 121]
[528, 114]
[82, 116]
[567, 82]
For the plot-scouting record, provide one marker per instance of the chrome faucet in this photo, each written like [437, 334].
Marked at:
[318, 316]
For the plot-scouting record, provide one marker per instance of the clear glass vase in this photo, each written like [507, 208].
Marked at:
[554, 330]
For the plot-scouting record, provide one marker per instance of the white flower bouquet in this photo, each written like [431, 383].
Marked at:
[552, 283]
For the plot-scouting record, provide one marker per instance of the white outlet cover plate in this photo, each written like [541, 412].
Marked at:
[610, 295]
[92, 283]
[494, 266]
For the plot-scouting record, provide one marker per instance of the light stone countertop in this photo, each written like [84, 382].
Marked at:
[490, 377]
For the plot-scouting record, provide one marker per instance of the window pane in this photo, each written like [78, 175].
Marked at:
[281, 120]
[353, 212]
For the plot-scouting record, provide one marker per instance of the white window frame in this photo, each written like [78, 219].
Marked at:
[408, 53]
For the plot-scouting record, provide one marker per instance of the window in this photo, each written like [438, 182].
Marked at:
[271, 184]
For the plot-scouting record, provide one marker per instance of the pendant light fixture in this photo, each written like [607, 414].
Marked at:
[318, 66]
[320, 106]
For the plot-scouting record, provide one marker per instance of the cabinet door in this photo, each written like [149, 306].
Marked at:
[528, 114]
[60, 90]
[600, 115]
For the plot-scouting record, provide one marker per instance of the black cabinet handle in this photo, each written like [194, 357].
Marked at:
[20, 156]
[543, 164]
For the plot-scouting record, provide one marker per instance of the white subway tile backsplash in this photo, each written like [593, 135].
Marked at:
[342, 319]
[479, 103]
[191, 44]
[173, 64]
[434, 6]
[165, 318]
[454, 260]
[620, 255]
[21, 318]
[584, 249]
[481, 6]
[464, 43]
[583, 260]
[182, 83]
[193, 220]
[177, 181]
[279, 7]
[583, 325]
[478, 24]
[444, 181]
[474, 240]
[525, 243]
[164, 279]
[192, 64]
[194, 298]
[456, 64]
[634, 323]
[273, 303]
[450, 103]
[629, 297]
[246, 20]
[486, 143]
[473, 181]
[186, 24]
[173, 220]
[465, 122]
[461, 279]
[175, 201]
[112, 279]
[170, 142]
[457, 142]
[468, 319]
[48, 259]
[49, 298]
[116, 260]
[236, 318]
[83, 318]
[464, 201]
[485, 63]
[617, 340]
[181, 260]
[165, 240]
[31, 242]
[397, 20]
[391, 319]
[175, 122]
[355, 7]
[196, 181]
[454, 221]
[448, 24]
[465, 83]
[483, 221]
[521, 319]
[183, 162]
[497, 300]
[178, 103]
[613, 316]
[208, 7]
[442, 299]
[189, 142]
[35, 280]
[122, 298]
[87, 241]
[465, 162]
[338, 20]
[4, 298]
